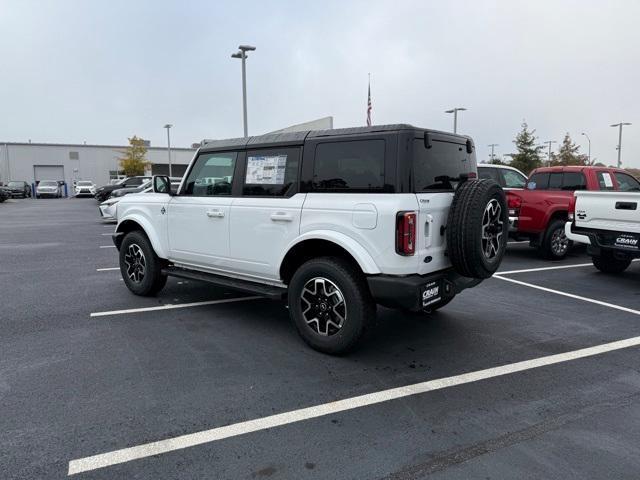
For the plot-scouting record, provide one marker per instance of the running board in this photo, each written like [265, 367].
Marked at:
[270, 291]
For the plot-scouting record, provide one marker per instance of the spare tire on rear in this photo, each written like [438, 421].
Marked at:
[477, 228]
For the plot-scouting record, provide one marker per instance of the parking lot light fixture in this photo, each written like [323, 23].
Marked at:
[455, 116]
[242, 54]
[168, 127]
[619, 147]
[588, 140]
[549, 143]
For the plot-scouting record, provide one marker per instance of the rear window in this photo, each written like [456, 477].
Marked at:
[356, 166]
[626, 183]
[442, 159]
[574, 181]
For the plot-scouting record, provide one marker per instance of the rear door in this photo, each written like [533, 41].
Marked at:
[266, 217]
[445, 156]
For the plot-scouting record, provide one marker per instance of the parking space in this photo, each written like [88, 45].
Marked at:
[201, 382]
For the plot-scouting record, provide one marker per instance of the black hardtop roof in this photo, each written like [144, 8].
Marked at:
[298, 138]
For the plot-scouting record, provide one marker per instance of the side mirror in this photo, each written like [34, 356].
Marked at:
[531, 186]
[162, 184]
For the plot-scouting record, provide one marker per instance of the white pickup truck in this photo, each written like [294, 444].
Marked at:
[609, 223]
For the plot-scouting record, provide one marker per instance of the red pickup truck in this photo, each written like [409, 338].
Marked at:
[539, 211]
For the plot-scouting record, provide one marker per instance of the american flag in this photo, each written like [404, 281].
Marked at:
[369, 105]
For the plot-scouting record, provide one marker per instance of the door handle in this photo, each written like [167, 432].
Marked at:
[281, 217]
[215, 213]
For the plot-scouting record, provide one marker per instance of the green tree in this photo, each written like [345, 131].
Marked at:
[528, 153]
[134, 158]
[568, 154]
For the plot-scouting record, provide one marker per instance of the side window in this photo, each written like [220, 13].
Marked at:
[354, 165]
[132, 182]
[605, 181]
[539, 181]
[555, 181]
[272, 172]
[574, 181]
[488, 173]
[211, 175]
[512, 179]
[627, 183]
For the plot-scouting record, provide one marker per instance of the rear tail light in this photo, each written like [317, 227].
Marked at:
[572, 208]
[472, 175]
[406, 233]
[513, 204]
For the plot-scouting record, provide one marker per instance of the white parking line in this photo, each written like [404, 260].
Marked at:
[518, 241]
[558, 267]
[570, 295]
[171, 306]
[192, 439]
[106, 234]
[107, 246]
[107, 269]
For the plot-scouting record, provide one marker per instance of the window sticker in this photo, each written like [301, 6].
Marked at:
[607, 179]
[266, 170]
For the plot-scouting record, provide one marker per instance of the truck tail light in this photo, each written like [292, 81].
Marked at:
[514, 203]
[406, 233]
[572, 208]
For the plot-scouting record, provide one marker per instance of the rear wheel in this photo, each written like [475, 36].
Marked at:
[140, 267]
[555, 244]
[607, 263]
[330, 304]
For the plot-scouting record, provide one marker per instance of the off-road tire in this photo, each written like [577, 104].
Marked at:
[607, 263]
[549, 248]
[359, 305]
[152, 280]
[465, 228]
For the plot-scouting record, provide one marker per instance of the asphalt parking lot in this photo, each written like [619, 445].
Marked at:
[87, 369]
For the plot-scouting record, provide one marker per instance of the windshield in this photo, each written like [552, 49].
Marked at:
[14, 184]
[85, 184]
[46, 183]
[436, 167]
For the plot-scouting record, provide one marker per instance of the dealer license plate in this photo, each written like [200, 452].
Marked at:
[431, 293]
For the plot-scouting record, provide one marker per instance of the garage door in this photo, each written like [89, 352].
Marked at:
[48, 172]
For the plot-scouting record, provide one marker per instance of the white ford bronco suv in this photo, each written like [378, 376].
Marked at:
[337, 221]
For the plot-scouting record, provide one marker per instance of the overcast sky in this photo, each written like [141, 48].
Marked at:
[101, 71]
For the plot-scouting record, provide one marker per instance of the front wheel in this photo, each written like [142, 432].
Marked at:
[330, 304]
[607, 263]
[140, 267]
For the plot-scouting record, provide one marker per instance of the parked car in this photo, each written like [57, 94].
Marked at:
[104, 192]
[539, 211]
[48, 188]
[336, 220]
[108, 208]
[84, 187]
[609, 224]
[5, 194]
[507, 177]
[19, 188]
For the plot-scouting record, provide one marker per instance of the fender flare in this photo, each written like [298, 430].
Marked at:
[357, 251]
[147, 228]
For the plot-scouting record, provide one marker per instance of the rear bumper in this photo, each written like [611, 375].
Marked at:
[599, 240]
[513, 224]
[395, 291]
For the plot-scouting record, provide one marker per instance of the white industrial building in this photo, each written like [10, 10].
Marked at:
[33, 162]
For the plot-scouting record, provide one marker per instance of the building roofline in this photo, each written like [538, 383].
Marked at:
[81, 145]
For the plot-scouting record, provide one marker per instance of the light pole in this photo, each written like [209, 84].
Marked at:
[588, 140]
[549, 142]
[455, 116]
[242, 54]
[619, 147]
[492, 145]
[168, 126]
